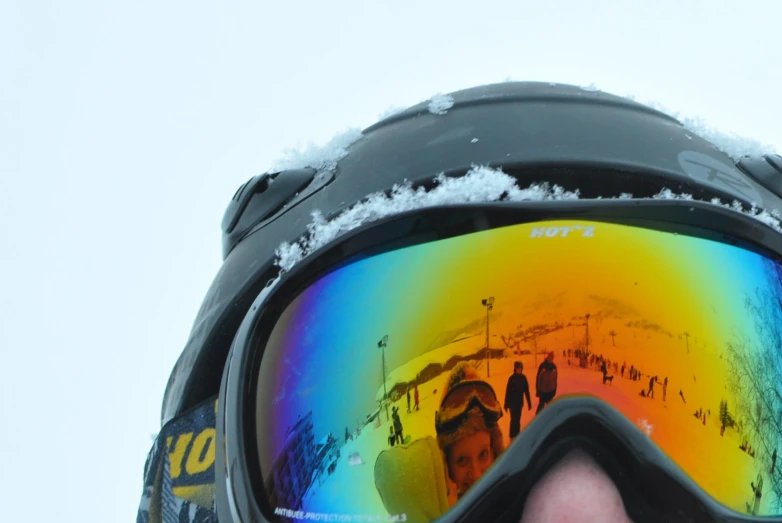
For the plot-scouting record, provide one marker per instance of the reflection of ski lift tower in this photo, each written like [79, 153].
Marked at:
[587, 334]
[382, 346]
[489, 304]
[535, 348]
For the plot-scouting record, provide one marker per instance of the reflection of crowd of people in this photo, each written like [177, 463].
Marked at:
[396, 430]
[591, 360]
[746, 447]
[518, 389]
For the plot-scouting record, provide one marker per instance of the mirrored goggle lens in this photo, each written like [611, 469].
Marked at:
[680, 334]
[469, 393]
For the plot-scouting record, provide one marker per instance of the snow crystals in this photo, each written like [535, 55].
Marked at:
[731, 144]
[480, 184]
[355, 459]
[391, 111]
[645, 426]
[771, 218]
[323, 157]
[440, 103]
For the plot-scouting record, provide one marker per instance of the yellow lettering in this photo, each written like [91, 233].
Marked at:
[202, 455]
[178, 455]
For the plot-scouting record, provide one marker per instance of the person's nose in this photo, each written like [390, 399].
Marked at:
[475, 471]
[575, 490]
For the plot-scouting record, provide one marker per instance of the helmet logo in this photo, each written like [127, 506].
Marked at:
[562, 232]
[704, 168]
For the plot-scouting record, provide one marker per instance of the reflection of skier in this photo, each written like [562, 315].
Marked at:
[397, 425]
[665, 388]
[391, 436]
[773, 461]
[546, 382]
[758, 491]
[415, 394]
[516, 389]
[650, 394]
[408, 400]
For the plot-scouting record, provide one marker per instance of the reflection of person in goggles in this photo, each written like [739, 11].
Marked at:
[372, 274]
[467, 429]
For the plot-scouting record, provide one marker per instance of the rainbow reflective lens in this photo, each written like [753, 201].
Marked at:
[682, 335]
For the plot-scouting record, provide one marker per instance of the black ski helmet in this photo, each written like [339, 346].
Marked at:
[601, 144]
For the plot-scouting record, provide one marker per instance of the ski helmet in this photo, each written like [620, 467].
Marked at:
[580, 140]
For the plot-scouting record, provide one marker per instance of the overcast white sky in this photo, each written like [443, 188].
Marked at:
[125, 128]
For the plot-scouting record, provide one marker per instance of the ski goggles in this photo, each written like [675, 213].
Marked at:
[665, 323]
[461, 399]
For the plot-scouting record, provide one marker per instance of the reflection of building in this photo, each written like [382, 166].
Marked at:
[326, 459]
[292, 470]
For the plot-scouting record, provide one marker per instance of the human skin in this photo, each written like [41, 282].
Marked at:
[468, 459]
[575, 490]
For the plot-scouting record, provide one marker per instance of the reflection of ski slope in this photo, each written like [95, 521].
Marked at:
[407, 372]
[692, 444]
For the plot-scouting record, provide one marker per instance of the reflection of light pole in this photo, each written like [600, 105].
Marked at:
[382, 345]
[489, 304]
[587, 335]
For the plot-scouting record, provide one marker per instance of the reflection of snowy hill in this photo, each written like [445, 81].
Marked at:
[475, 327]
[406, 373]
[542, 317]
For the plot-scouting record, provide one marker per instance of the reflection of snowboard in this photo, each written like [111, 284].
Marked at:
[406, 440]
[354, 459]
